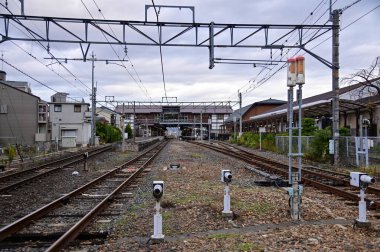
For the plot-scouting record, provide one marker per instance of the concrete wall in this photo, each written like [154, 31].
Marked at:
[20, 121]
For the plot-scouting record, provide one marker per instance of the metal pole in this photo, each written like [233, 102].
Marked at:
[93, 99]
[299, 131]
[209, 129]
[290, 109]
[201, 126]
[240, 116]
[134, 122]
[22, 7]
[361, 147]
[335, 84]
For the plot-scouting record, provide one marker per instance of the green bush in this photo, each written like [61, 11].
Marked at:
[308, 127]
[320, 145]
[252, 140]
[108, 133]
[344, 132]
[128, 129]
[11, 151]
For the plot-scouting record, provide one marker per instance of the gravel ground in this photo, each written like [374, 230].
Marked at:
[28, 198]
[193, 204]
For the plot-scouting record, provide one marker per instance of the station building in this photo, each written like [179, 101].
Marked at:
[355, 101]
[152, 119]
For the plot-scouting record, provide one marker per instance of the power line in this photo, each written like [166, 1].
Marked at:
[51, 69]
[313, 12]
[162, 62]
[47, 49]
[28, 75]
[142, 87]
[268, 75]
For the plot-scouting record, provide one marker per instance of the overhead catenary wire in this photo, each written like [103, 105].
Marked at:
[281, 55]
[126, 54]
[162, 62]
[139, 84]
[48, 51]
[51, 69]
[269, 75]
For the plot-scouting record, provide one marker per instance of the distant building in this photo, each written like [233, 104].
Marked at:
[111, 116]
[70, 121]
[23, 116]
[151, 119]
[357, 100]
[247, 112]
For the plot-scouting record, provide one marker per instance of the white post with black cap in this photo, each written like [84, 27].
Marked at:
[226, 177]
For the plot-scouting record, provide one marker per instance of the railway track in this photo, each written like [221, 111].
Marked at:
[325, 180]
[16, 179]
[55, 225]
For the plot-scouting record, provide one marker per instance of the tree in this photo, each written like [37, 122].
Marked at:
[369, 79]
[308, 127]
[108, 133]
[128, 129]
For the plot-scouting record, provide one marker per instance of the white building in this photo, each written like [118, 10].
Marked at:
[70, 121]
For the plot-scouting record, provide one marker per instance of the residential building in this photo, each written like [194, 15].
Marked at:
[70, 121]
[23, 116]
[111, 116]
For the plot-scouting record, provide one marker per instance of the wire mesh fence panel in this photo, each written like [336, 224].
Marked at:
[282, 144]
[351, 151]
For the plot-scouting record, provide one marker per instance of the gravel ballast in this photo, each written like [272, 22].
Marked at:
[193, 203]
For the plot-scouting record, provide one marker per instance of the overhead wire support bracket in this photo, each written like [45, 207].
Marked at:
[147, 7]
[322, 60]
[240, 35]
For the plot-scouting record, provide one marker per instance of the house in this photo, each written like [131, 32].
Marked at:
[21, 118]
[70, 121]
[111, 116]
[232, 122]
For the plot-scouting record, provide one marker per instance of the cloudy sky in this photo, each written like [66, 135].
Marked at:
[187, 73]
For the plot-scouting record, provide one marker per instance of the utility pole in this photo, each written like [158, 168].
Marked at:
[93, 101]
[335, 84]
[93, 88]
[240, 117]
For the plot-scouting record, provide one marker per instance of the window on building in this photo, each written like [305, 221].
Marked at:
[3, 109]
[57, 108]
[77, 108]
[219, 116]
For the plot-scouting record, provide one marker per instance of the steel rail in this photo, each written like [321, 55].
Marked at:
[271, 167]
[50, 163]
[75, 230]
[78, 158]
[24, 221]
[370, 189]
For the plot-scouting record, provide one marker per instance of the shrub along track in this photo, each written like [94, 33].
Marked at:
[56, 224]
